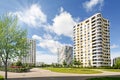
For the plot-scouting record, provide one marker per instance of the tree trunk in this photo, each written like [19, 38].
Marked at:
[6, 71]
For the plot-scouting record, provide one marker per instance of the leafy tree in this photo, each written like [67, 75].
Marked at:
[78, 63]
[64, 63]
[13, 40]
[18, 63]
[117, 63]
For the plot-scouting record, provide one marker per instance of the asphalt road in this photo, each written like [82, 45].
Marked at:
[61, 78]
[41, 74]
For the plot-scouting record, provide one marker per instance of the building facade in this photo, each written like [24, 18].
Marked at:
[65, 53]
[31, 56]
[92, 41]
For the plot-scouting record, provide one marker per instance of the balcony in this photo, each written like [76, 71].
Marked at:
[93, 34]
[93, 24]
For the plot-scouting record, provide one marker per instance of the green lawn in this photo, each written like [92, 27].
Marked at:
[73, 70]
[105, 78]
[1, 77]
[112, 70]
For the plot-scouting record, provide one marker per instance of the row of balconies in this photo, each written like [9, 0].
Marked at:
[98, 21]
[100, 60]
[97, 49]
[100, 43]
[97, 64]
[93, 30]
[86, 59]
[96, 29]
[95, 56]
[104, 40]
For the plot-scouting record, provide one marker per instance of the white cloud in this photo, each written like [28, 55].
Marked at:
[32, 16]
[89, 5]
[49, 44]
[63, 24]
[46, 58]
[114, 46]
[61, 9]
[37, 37]
[47, 36]
[77, 19]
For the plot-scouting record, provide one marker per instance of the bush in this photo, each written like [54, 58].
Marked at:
[16, 69]
[2, 68]
[19, 63]
[1, 77]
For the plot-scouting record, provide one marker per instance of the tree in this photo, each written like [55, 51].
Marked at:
[117, 63]
[13, 40]
[78, 63]
[64, 63]
[18, 63]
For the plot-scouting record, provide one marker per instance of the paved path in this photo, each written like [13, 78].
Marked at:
[43, 74]
[58, 78]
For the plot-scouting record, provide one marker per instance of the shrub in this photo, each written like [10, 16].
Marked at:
[19, 63]
[18, 69]
[2, 68]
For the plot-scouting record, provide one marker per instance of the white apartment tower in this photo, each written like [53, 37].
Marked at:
[65, 53]
[92, 41]
[31, 56]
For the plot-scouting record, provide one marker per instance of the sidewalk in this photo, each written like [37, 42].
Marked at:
[37, 72]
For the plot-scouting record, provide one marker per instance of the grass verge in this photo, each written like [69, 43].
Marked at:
[112, 70]
[1, 77]
[73, 70]
[105, 78]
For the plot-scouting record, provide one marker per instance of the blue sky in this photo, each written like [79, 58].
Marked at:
[50, 22]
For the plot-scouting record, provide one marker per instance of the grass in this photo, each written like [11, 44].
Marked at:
[73, 70]
[112, 70]
[1, 77]
[105, 78]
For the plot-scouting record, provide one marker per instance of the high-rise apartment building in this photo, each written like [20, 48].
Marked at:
[65, 53]
[31, 56]
[92, 41]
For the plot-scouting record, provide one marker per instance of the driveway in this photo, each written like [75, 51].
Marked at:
[41, 74]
